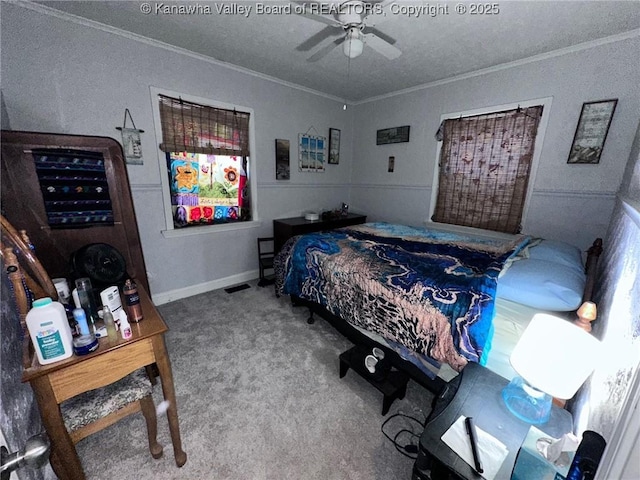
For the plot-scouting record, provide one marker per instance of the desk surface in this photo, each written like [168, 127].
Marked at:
[293, 221]
[479, 396]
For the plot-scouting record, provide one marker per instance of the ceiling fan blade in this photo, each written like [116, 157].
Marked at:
[382, 47]
[325, 50]
[380, 34]
[316, 39]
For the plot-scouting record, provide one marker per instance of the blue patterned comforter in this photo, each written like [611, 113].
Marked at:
[427, 290]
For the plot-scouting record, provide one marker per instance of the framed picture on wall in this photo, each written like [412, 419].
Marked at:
[283, 170]
[591, 132]
[334, 146]
[132, 146]
[311, 152]
[392, 135]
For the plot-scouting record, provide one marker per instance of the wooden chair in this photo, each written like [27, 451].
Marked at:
[97, 409]
[266, 253]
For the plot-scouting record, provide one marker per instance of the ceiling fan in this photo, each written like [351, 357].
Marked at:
[348, 20]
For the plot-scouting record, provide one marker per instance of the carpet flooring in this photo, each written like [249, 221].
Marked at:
[260, 398]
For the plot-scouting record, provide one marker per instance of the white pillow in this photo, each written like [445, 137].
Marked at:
[548, 285]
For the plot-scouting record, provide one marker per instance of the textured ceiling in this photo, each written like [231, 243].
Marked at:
[434, 47]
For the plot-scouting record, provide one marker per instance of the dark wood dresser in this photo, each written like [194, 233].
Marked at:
[285, 228]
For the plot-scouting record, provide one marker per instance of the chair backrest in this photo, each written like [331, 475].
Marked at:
[29, 280]
[265, 247]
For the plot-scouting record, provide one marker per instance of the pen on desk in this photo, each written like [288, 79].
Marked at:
[471, 430]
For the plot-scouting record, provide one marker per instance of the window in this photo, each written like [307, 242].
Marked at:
[207, 189]
[206, 152]
[484, 168]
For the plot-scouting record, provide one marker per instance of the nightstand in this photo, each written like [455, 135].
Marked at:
[476, 392]
[285, 228]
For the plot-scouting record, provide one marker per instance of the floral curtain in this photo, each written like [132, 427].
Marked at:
[485, 164]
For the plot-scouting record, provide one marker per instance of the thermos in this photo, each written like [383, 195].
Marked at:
[132, 300]
[587, 457]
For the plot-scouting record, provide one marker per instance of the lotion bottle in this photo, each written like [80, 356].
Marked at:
[125, 328]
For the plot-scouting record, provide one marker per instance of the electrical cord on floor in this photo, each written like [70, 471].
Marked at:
[409, 449]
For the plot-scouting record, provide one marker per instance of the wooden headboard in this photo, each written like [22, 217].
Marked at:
[591, 267]
[23, 205]
[587, 312]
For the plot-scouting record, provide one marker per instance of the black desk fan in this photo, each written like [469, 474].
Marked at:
[102, 263]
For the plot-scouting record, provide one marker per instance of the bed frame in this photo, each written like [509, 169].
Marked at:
[437, 384]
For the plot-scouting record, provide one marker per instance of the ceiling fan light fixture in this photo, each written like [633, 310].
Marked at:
[353, 45]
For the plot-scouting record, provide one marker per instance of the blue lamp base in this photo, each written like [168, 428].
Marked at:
[526, 402]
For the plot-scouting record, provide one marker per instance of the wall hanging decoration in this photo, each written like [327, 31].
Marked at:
[312, 151]
[591, 132]
[392, 135]
[282, 159]
[131, 143]
[74, 187]
[334, 146]
[392, 164]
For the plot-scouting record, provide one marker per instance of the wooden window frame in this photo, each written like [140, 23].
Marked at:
[171, 231]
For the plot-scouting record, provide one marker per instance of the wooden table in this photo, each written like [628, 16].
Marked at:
[57, 382]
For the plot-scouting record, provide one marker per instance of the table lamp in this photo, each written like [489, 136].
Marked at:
[553, 358]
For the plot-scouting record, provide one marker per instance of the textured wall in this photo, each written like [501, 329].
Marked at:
[569, 202]
[79, 80]
[598, 405]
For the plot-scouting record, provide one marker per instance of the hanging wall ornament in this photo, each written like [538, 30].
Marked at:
[131, 143]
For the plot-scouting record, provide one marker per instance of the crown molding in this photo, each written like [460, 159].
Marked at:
[69, 17]
[505, 66]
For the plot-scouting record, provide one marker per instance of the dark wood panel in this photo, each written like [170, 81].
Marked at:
[23, 205]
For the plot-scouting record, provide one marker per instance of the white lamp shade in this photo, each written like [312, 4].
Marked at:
[555, 356]
[352, 47]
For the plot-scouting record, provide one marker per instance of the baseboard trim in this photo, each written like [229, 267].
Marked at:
[179, 293]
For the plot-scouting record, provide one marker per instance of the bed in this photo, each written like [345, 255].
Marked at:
[436, 298]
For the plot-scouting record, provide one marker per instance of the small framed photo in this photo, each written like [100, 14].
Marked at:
[334, 146]
[283, 168]
[591, 132]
